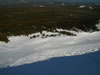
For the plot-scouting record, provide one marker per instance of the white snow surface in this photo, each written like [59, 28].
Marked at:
[23, 50]
[82, 6]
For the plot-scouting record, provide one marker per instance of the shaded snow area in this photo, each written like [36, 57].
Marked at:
[23, 50]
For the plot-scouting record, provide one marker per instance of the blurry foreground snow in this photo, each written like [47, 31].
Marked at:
[23, 50]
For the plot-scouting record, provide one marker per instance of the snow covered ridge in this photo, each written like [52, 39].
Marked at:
[23, 50]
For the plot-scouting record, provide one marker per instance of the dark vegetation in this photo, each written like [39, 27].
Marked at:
[24, 21]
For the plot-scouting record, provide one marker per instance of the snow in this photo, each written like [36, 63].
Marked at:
[90, 7]
[98, 25]
[23, 50]
[42, 6]
[82, 6]
[62, 3]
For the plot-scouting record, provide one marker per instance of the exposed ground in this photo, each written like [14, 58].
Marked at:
[24, 21]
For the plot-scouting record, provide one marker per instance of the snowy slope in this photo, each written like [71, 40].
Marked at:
[23, 50]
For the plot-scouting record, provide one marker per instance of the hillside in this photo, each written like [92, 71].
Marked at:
[13, 2]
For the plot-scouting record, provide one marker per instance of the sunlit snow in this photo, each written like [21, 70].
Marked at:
[23, 50]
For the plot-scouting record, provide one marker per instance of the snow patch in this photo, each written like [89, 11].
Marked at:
[82, 6]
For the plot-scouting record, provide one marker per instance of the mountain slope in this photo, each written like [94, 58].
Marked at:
[8, 2]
